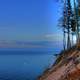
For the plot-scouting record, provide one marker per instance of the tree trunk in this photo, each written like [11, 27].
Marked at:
[64, 39]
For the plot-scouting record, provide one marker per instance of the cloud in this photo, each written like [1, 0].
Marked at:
[32, 44]
[54, 37]
[48, 40]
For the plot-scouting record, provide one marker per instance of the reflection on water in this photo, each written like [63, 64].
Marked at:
[24, 66]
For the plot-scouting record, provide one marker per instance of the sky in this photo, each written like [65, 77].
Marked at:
[29, 20]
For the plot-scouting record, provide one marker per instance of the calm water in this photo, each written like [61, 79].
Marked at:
[24, 65]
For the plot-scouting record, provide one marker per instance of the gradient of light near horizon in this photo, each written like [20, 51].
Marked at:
[29, 21]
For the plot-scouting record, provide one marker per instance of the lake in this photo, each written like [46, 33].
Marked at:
[23, 64]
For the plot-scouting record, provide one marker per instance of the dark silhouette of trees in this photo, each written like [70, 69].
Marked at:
[69, 22]
[69, 13]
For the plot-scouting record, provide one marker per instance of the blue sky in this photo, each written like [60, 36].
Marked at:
[29, 20]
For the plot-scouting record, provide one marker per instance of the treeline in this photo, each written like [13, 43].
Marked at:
[70, 22]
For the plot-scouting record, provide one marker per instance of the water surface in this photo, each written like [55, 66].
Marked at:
[24, 65]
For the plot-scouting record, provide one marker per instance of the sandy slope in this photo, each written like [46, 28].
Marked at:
[67, 69]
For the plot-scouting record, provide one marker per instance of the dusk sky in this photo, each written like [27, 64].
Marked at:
[29, 20]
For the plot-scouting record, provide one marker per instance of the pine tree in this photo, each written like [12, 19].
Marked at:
[68, 23]
[63, 23]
